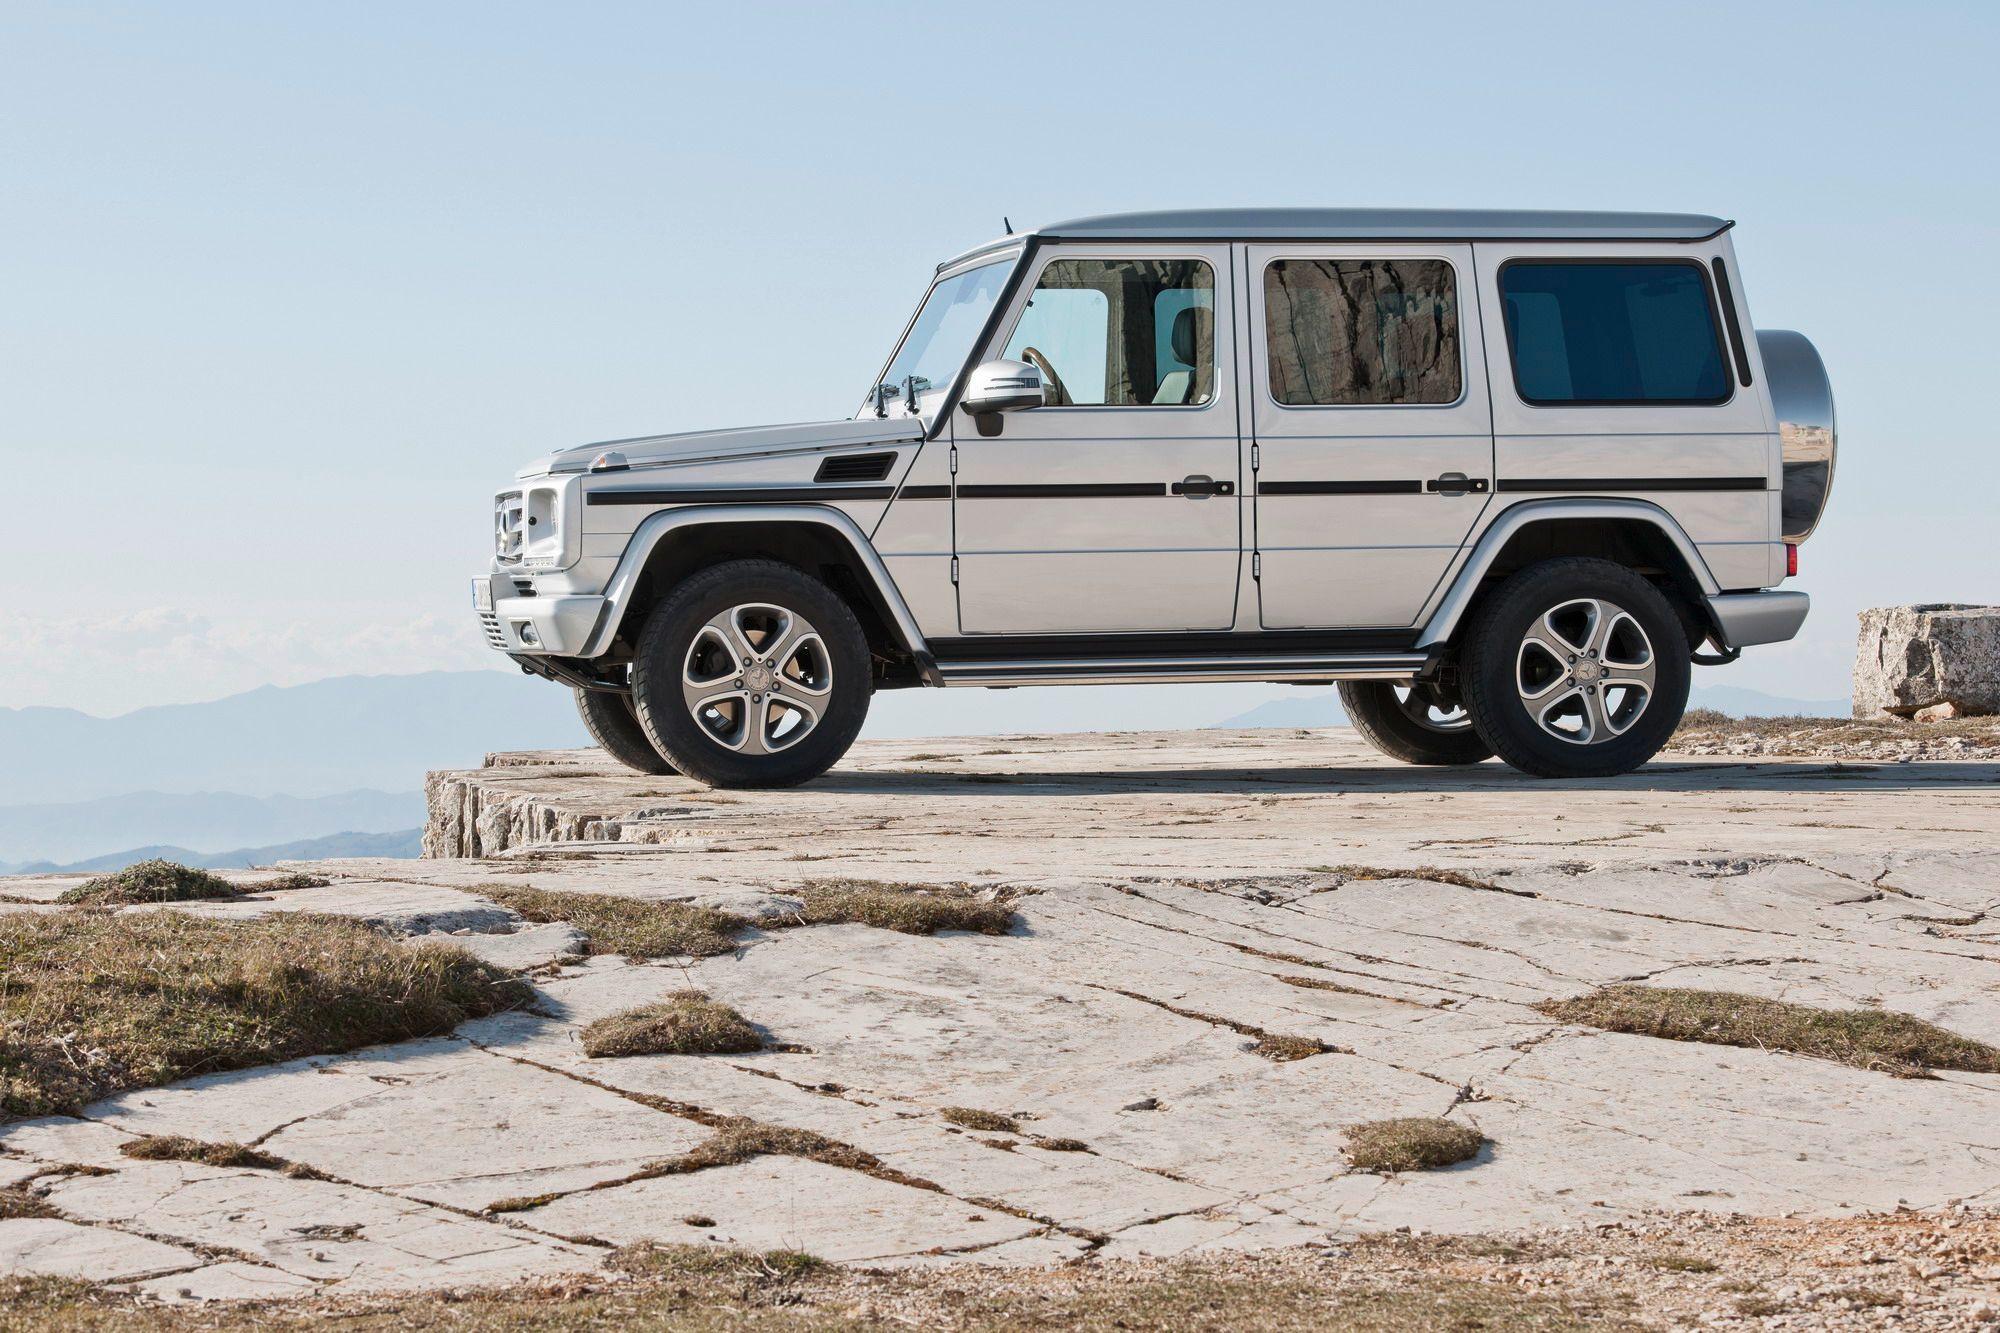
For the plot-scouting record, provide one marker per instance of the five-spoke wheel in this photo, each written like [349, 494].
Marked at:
[757, 678]
[1575, 667]
[752, 674]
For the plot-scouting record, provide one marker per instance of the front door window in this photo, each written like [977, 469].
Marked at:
[1121, 332]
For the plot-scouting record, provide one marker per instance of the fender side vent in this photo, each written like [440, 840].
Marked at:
[855, 467]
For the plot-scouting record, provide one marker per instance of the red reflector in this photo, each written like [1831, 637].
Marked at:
[1791, 560]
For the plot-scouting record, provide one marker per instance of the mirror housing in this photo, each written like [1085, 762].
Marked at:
[1002, 386]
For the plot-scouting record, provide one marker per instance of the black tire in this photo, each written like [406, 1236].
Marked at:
[613, 723]
[1499, 667]
[1403, 729]
[677, 634]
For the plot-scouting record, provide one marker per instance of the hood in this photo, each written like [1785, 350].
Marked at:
[704, 445]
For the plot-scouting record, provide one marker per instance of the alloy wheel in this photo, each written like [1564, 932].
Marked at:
[1585, 671]
[757, 678]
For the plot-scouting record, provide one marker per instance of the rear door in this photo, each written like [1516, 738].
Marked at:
[1372, 427]
[1115, 507]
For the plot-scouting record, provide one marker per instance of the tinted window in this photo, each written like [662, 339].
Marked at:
[1612, 333]
[1121, 332]
[1361, 332]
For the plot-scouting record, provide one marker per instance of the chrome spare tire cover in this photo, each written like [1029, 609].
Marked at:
[1802, 396]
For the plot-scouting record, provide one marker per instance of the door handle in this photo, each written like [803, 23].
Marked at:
[1200, 487]
[1456, 483]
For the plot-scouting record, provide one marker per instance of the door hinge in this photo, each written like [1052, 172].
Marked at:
[1256, 457]
[1256, 564]
[954, 569]
[954, 460]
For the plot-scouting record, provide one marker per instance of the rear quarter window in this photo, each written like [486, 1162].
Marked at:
[1612, 333]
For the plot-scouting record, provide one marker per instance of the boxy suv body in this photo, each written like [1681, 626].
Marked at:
[1502, 476]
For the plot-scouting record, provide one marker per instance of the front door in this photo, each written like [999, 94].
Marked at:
[1116, 506]
[1372, 426]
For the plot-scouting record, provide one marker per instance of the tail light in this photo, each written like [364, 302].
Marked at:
[1791, 560]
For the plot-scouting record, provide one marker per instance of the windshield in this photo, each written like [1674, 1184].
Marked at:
[941, 337]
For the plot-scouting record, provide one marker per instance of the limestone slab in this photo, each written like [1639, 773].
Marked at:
[52, 1247]
[785, 1203]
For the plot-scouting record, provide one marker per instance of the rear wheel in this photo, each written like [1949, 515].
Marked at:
[614, 724]
[1575, 668]
[752, 674]
[1412, 723]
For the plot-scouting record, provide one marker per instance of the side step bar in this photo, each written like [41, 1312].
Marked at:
[1304, 668]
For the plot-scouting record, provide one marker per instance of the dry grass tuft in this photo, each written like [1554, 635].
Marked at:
[521, 1203]
[18, 1203]
[154, 881]
[989, 1122]
[1413, 1143]
[912, 909]
[649, 1259]
[685, 1023]
[1063, 1145]
[629, 926]
[1681, 1263]
[1863, 1038]
[176, 1148]
[297, 879]
[94, 1003]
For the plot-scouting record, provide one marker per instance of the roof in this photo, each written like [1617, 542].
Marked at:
[1367, 224]
[1382, 224]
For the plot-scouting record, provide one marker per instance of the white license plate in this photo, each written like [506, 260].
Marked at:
[482, 594]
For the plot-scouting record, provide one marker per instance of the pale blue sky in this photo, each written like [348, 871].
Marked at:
[287, 291]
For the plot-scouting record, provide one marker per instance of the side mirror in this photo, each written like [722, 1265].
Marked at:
[1002, 386]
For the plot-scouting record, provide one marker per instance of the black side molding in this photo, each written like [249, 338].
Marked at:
[1104, 490]
[1616, 485]
[1410, 487]
[741, 495]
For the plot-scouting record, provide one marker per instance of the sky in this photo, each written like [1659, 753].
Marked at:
[287, 291]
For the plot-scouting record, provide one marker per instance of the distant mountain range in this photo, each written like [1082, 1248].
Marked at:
[375, 732]
[1323, 710]
[404, 843]
[207, 822]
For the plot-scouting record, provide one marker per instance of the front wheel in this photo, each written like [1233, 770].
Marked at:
[752, 674]
[1575, 668]
[1412, 723]
[614, 724]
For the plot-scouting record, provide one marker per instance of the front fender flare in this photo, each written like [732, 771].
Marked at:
[639, 550]
[1449, 606]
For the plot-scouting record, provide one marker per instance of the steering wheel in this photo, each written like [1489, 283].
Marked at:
[1058, 392]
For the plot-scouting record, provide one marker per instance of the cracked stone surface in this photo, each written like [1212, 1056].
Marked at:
[1178, 890]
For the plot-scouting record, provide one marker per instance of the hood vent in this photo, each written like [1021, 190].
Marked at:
[855, 467]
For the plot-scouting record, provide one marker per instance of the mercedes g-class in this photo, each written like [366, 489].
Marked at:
[1502, 476]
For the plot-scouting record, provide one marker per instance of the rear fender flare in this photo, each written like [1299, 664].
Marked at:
[1450, 606]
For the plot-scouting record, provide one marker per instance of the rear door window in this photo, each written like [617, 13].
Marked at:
[1616, 333]
[1361, 332]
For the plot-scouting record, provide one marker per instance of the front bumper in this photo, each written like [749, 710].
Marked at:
[556, 626]
[1746, 618]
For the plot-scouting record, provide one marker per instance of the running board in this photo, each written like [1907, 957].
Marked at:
[1304, 668]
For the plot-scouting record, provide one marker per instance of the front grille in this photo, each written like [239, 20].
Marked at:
[495, 636]
[509, 528]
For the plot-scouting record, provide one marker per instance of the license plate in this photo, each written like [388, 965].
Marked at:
[482, 594]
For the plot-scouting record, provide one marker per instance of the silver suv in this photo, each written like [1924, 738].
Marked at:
[1501, 475]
